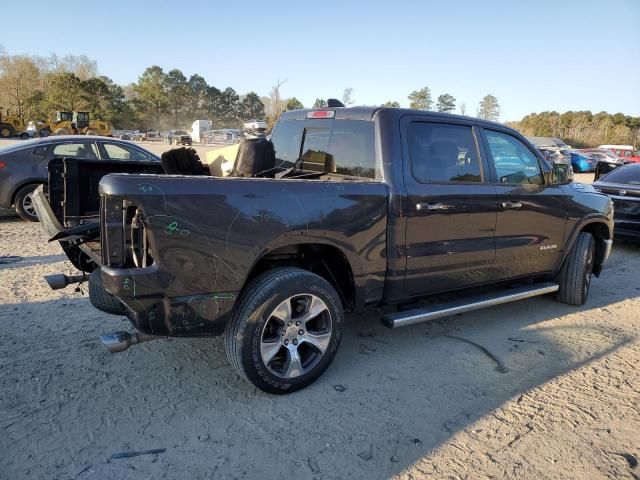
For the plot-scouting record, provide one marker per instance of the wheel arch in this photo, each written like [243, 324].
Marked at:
[23, 184]
[322, 258]
[599, 227]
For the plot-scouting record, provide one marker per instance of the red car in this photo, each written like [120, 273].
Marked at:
[625, 152]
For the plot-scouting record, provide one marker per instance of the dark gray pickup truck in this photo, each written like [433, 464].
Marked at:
[344, 208]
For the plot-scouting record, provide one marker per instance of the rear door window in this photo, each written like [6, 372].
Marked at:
[443, 153]
[86, 150]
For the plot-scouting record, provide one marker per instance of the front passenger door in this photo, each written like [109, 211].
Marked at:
[531, 212]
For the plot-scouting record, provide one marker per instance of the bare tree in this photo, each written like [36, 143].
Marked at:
[277, 104]
[20, 81]
[489, 108]
[347, 97]
[463, 108]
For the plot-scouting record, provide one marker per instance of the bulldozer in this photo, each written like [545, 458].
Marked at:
[12, 125]
[75, 123]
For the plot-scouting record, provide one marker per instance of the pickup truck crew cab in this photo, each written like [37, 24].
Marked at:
[349, 207]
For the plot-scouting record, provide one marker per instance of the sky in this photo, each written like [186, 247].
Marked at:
[532, 55]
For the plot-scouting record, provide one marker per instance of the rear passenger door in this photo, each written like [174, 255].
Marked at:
[451, 211]
[531, 212]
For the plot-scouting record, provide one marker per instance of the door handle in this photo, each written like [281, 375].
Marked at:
[510, 204]
[431, 206]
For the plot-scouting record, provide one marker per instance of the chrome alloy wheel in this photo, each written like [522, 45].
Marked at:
[28, 206]
[296, 336]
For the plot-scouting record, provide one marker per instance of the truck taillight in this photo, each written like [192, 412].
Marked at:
[2, 165]
[321, 114]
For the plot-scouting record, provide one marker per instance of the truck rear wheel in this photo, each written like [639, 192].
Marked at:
[101, 299]
[285, 330]
[574, 277]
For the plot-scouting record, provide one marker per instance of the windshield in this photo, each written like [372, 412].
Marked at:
[629, 174]
[180, 132]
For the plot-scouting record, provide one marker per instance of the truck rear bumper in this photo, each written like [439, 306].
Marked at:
[152, 309]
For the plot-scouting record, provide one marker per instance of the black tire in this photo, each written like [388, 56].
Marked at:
[44, 132]
[574, 277]
[101, 299]
[255, 314]
[6, 130]
[24, 136]
[24, 203]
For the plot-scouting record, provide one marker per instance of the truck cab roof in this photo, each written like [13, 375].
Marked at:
[369, 113]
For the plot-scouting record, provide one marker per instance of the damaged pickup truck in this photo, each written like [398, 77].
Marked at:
[341, 209]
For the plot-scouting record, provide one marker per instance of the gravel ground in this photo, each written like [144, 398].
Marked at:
[529, 390]
[533, 389]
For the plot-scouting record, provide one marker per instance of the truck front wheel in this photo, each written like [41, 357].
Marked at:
[285, 330]
[574, 277]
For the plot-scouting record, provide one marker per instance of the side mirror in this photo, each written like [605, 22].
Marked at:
[562, 173]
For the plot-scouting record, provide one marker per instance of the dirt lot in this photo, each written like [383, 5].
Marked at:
[532, 390]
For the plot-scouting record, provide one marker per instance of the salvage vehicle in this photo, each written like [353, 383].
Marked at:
[622, 185]
[179, 137]
[23, 166]
[12, 125]
[343, 208]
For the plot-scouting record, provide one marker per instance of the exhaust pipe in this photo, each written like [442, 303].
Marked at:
[120, 341]
[60, 280]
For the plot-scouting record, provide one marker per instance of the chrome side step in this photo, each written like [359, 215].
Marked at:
[409, 317]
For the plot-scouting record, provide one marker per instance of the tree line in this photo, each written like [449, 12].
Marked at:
[582, 129]
[35, 87]
[488, 108]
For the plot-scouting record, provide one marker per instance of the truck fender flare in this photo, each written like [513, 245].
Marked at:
[590, 219]
[289, 240]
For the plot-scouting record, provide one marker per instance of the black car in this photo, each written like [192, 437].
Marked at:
[23, 165]
[623, 186]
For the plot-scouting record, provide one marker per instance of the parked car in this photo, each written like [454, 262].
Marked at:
[343, 208]
[582, 162]
[179, 137]
[623, 186]
[602, 155]
[556, 156]
[23, 166]
[626, 152]
[542, 142]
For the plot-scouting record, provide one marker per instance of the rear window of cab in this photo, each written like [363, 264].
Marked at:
[343, 147]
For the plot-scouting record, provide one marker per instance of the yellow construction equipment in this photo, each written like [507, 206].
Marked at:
[11, 125]
[75, 123]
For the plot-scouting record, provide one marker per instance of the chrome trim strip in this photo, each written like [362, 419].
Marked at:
[410, 317]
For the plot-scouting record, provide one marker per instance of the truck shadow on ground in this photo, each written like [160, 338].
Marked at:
[390, 397]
